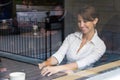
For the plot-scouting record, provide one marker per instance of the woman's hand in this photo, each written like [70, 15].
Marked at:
[41, 65]
[48, 62]
[49, 70]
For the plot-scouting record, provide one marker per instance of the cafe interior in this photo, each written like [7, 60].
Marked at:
[26, 38]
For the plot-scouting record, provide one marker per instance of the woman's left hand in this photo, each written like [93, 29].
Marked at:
[49, 70]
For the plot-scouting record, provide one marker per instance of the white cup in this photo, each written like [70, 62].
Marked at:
[17, 76]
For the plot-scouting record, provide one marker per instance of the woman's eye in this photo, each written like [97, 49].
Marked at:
[79, 21]
[85, 21]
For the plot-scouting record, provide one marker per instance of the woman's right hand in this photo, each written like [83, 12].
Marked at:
[41, 65]
[48, 62]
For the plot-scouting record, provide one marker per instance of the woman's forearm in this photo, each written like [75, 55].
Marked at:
[51, 61]
[71, 66]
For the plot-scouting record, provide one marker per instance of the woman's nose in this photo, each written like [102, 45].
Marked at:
[82, 24]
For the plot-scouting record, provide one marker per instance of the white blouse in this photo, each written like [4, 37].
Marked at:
[87, 55]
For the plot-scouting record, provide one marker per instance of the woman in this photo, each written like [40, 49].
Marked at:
[82, 48]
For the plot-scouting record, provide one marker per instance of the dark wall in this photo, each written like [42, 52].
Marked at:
[5, 9]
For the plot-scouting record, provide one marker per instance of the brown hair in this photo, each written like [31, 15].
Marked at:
[88, 12]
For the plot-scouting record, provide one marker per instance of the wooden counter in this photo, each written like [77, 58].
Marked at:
[89, 72]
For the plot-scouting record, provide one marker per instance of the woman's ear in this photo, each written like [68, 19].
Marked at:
[95, 21]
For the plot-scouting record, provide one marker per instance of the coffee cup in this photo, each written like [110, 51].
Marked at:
[17, 76]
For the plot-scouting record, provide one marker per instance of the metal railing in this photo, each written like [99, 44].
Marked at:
[28, 44]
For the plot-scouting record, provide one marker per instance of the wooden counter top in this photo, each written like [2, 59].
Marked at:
[91, 71]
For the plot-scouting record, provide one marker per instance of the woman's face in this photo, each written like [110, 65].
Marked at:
[86, 26]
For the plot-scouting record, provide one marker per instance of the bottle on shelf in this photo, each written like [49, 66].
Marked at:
[35, 28]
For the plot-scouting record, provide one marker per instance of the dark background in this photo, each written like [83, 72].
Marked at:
[5, 10]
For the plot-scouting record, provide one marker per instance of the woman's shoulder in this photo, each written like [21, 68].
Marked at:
[74, 35]
[98, 41]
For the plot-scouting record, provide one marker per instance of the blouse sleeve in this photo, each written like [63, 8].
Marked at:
[93, 57]
[60, 54]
